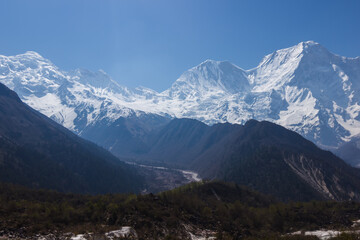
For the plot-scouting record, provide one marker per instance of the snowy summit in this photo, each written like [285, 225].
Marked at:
[304, 88]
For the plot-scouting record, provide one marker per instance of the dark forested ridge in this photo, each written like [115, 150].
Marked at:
[227, 210]
[261, 155]
[274, 160]
[37, 152]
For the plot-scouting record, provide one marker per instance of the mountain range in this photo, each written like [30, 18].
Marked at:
[304, 88]
[37, 152]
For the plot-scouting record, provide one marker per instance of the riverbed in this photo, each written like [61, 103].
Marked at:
[160, 179]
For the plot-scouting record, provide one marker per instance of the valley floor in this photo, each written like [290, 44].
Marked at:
[160, 179]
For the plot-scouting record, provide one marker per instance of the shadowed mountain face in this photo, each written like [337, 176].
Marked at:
[262, 155]
[37, 152]
[125, 136]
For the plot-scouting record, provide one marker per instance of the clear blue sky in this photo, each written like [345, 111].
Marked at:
[151, 42]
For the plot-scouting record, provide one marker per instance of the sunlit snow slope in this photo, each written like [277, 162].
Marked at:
[305, 88]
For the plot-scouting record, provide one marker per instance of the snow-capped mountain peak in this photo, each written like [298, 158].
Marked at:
[98, 79]
[218, 77]
[305, 88]
[32, 54]
[74, 99]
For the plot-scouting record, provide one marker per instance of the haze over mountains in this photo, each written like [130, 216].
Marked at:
[304, 88]
[350, 151]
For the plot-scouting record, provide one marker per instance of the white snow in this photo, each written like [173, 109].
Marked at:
[79, 237]
[304, 88]
[196, 237]
[50, 105]
[121, 233]
[191, 176]
[323, 234]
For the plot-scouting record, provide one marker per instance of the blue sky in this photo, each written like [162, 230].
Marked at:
[151, 42]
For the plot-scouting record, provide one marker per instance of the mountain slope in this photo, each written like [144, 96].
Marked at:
[274, 160]
[180, 141]
[262, 155]
[37, 152]
[125, 136]
[304, 88]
